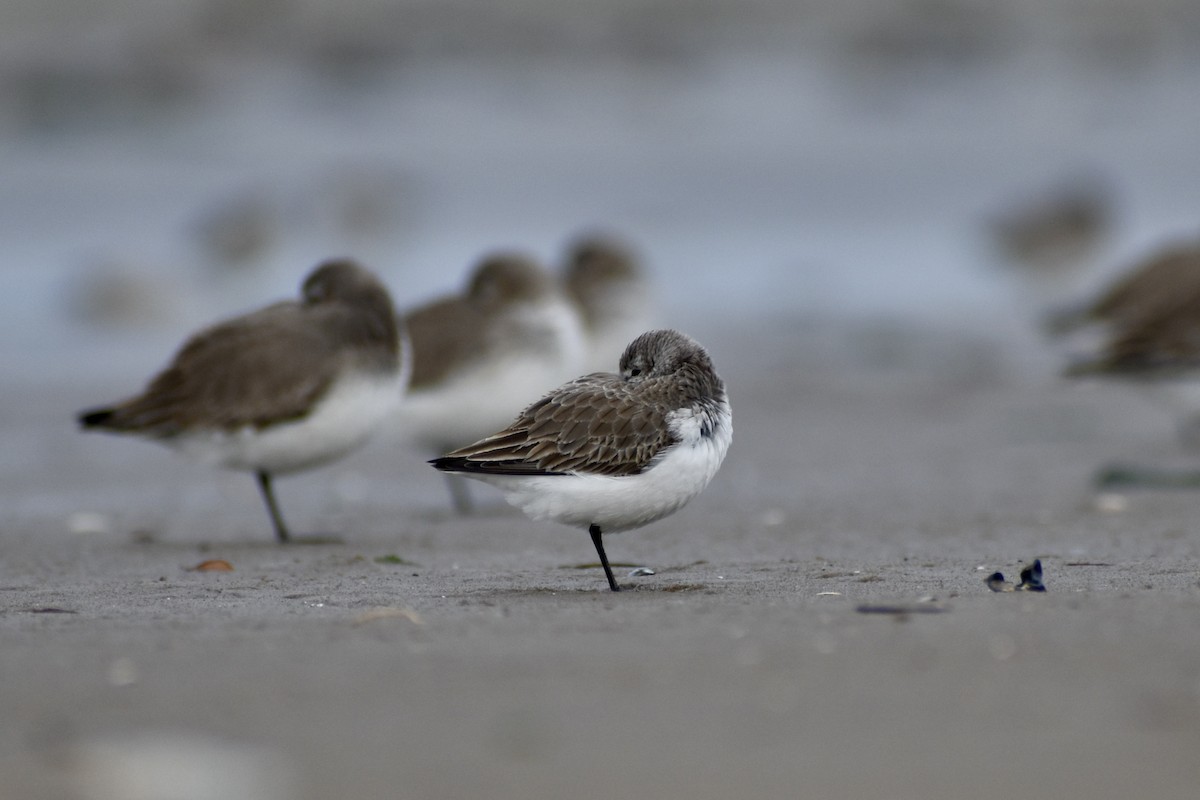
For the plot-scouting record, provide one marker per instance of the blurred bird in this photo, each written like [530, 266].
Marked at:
[604, 278]
[1168, 278]
[239, 231]
[292, 386]
[1051, 236]
[481, 356]
[1150, 321]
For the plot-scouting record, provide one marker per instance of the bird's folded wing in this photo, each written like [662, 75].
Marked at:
[596, 425]
[267, 367]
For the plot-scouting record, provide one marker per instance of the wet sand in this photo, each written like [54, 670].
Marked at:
[876, 467]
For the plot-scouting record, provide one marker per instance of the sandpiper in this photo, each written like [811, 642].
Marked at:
[612, 452]
[481, 356]
[1053, 233]
[1160, 346]
[1148, 322]
[1152, 339]
[604, 277]
[291, 386]
[1168, 278]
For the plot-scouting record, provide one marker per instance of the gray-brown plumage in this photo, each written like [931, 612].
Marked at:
[1164, 344]
[1168, 280]
[610, 452]
[604, 278]
[593, 265]
[1149, 324]
[1057, 230]
[288, 387]
[482, 355]
[457, 330]
[602, 424]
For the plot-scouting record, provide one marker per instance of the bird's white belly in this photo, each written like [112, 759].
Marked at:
[474, 404]
[489, 394]
[630, 501]
[342, 421]
[1180, 395]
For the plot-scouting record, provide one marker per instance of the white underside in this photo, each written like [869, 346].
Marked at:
[487, 396]
[344, 420]
[476, 404]
[621, 503]
[1180, 395]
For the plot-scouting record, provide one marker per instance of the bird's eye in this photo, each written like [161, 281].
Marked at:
[635, 371]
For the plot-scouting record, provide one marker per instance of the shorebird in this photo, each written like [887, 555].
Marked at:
[604, 278]
[1150, 321]
[1159, 347]
[1053, 233]
[1168, 278]
[612, 452]
[291, 386]
[481, 356]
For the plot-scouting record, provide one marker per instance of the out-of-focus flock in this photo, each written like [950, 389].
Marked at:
[300, 383]
[448, 372]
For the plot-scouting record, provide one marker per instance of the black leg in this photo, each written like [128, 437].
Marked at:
[594, 530]
[264, 485]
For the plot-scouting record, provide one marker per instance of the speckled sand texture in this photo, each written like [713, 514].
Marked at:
[872, 465]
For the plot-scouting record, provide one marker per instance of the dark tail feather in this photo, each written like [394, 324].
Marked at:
[97, 418]
[468, 466]
[449, 464]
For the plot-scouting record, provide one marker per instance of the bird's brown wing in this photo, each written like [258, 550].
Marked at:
[597, 424]
[1165, 342]
[444, 335]
[1166, 282]
[266, 367]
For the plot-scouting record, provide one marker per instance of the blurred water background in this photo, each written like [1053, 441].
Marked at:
[165, 164]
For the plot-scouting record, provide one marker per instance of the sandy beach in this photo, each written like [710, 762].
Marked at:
[817, 623]
[814, 188]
